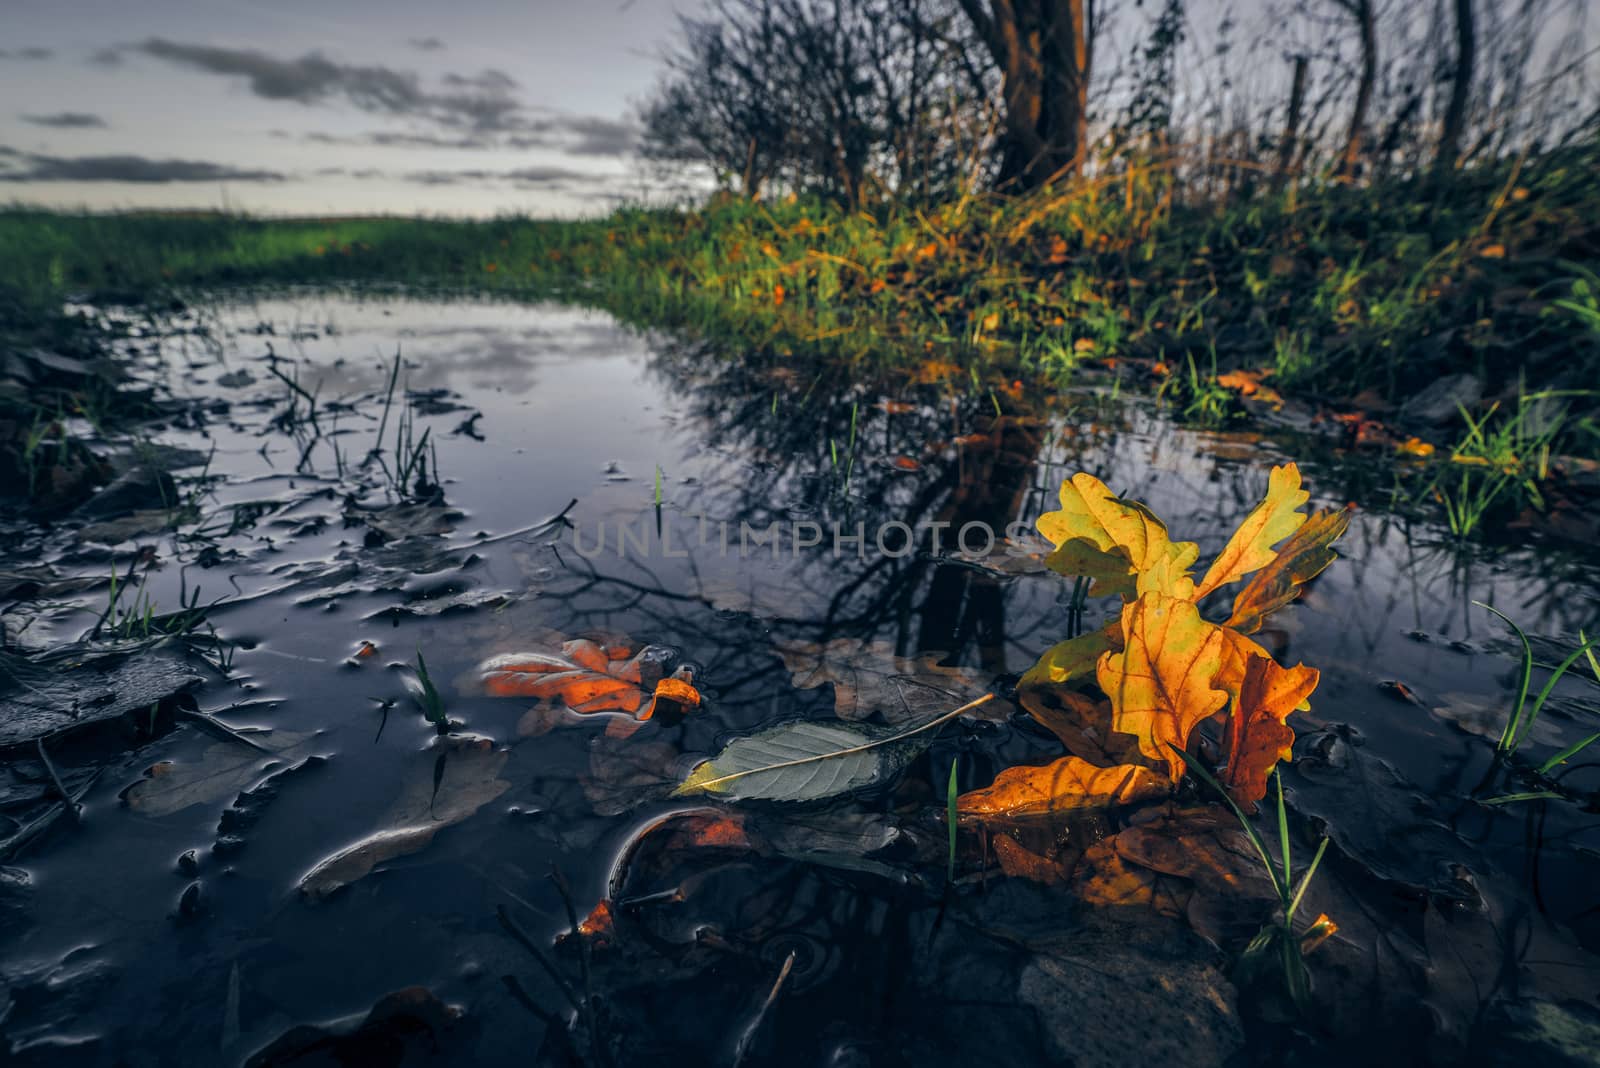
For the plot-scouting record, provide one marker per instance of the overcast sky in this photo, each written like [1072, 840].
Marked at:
[336, 106]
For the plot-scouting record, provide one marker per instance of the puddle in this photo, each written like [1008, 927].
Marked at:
[221, 886]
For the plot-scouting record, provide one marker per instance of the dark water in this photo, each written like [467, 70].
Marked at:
[1451, 910]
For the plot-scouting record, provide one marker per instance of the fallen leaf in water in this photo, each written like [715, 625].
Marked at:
[1019, 862]
[1083, 724]
[1258, 736]
[868, 678]
[588, 676]
[405, 1027]
[445, 784]
[906, 463]
[1164, 682]
[222, 770]
[800, 761]
[1062, 785]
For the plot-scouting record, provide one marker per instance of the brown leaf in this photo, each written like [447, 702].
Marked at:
[868, 678]
[1020, 863]
[1082, 723]
[1301, 559]
[1258, 736]
[459, 775]
[1062, 785]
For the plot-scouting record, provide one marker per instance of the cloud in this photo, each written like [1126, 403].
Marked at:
[522, 176]
[26, 53]
[67, 120]
[426, 44]
[485, 104]
[575, 135]
[597, 136]
[141, 169]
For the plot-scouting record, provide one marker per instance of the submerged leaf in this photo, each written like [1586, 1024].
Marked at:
[1113, 541]
[460, 777]
[1275, 518]
[1258, 736]
[869, 679]
[1164, 682]
[1302, 558]
[1062, 785]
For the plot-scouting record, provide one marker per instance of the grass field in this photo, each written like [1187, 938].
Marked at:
[1332, 291]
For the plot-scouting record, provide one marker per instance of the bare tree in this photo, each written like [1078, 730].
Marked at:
[1455, 116]
[1367, 25]
[1043, 51]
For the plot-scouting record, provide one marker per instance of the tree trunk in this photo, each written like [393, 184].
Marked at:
[1042, 50]
[1366, 21]
[1455, 116]
[1291, 124]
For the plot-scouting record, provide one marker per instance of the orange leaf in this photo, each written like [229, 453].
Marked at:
[1082, 724]
[1258, 736]
[1301, 559]
[1164, 681]
[1062, 785]
[588, 676]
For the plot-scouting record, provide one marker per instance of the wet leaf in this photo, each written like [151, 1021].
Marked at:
[42, 696]
[1164, 682]
[869, 679]
[1060, 786]
[457, 776]
[588, 676]
[1258, 736]
[222, 770]
[1083, 724]
[1274, 519]
[1115, 543]
[760, 766]
[1302, 558]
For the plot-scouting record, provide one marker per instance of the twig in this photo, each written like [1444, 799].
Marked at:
[589, 1021]
[55, 779]
[747, 1040]
[207, 722]
[539, 955]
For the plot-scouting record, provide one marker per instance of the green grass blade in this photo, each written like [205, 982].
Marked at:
[1283, 830]
[1545, 691]
[1305, 881]
[950, 818]
[1567, 754]
[1531, 795]
[1507, 744]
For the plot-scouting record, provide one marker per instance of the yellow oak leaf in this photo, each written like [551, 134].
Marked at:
[1164, 681]
[1251, 547]
[1072, 662]
[1258, 736]
[1301, 559]
[1113, 541]
[1062, 785]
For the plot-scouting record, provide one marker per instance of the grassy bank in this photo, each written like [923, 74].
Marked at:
[1332, 292]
